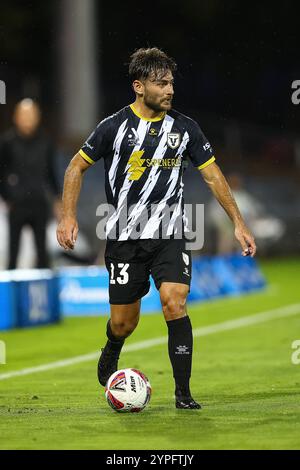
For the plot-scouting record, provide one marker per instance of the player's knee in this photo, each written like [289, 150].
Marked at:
[123, 329]
[174, 306]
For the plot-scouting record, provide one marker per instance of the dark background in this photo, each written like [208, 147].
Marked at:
[236, 64]
[235, 60]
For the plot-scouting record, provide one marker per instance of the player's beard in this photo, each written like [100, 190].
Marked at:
[157, 106]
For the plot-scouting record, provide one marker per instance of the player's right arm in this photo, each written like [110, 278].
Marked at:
[67, 229]
[201, 155]
[95, 148]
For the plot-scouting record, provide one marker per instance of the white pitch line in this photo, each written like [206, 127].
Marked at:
[262, 317]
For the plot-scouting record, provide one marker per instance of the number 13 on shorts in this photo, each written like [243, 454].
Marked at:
[123, 277]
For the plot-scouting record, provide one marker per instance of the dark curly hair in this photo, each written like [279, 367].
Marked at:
[151, 61]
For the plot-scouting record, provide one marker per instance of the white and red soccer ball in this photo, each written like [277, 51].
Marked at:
[128, 390]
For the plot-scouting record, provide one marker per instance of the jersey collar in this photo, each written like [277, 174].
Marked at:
[159, 118]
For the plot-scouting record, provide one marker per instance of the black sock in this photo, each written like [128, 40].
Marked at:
[113, 342]
[180, 353]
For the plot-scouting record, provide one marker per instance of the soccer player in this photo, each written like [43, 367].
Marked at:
[145, 147]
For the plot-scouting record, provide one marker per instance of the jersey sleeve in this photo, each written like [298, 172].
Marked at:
[199, 149]
[97, 144]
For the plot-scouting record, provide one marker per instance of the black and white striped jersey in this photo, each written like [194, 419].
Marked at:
[144, 163]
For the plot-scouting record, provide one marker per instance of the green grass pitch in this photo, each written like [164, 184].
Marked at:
[244, 378]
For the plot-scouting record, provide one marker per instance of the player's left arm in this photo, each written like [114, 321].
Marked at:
[216, 181]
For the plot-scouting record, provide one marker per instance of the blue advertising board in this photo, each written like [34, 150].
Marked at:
[8, 315]
[39, 297]
[84, 291]
[28, 298]
[217, 276]
[36, 298]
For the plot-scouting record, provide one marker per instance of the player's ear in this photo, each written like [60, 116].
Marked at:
[138, 87]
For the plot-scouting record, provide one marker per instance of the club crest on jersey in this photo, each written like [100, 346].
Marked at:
[173, 140]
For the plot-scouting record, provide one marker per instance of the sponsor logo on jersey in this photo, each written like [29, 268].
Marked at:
[153, 132]
[164, 162]
[138, 165]
[136, 168]
[89, 146]
[207, 146]
[133, 138]
[173, 140]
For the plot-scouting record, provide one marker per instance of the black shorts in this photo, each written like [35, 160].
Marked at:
[131, 262]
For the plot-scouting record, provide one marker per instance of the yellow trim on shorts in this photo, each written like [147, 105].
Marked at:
[211, 160]
[86, 157]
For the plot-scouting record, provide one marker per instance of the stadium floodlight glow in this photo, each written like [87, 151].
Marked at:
[2, 92]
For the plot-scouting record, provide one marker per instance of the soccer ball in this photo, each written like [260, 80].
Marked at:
[128, 390]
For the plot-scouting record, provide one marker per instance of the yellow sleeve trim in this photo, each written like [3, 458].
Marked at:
[209, 162]
[86, 157]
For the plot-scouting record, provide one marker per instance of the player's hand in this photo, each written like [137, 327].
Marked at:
[246, 239]
[67, 232]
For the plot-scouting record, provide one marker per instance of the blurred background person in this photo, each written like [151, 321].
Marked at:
[249, 207]
[266, 228]
[28, 183]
